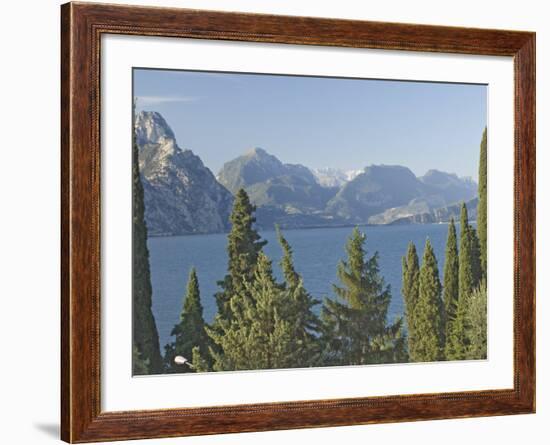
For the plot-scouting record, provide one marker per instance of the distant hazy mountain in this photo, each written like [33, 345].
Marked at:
[440, 215]
[287, 192]
[334, 177]
[450, 186]
[440, 191]
[378, 188]
[181, 195]
[258, 166]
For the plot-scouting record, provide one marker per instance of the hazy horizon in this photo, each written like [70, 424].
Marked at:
[320, 122]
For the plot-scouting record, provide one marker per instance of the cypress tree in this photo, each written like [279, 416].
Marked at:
[476, 324]
[356, 331]
[190, 331]
[257, 336]
[450, 277]
[140, 366]
[466, 272]
[475, 260]
[145, 334]
[429, 310]
[292, 278]
[482, 205]
[456, 344]
[243, 247]
[409, 291]
[199, 363]
[299, 309]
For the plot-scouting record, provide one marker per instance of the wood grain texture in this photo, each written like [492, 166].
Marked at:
[81, 28]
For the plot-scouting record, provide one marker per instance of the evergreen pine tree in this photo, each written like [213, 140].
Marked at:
[243, 247]
[430, 337]
[482, 205]
[356, 331]
[299, 310]
[145, 334]
[257, 336]
[450, 278]
[190, 331]
[409, 291]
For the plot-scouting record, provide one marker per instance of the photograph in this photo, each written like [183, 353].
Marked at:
[285, 221]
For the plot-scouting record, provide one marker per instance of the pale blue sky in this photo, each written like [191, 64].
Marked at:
[319, 121]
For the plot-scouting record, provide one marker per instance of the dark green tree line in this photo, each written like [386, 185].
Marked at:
[462, 322]
[469, 274]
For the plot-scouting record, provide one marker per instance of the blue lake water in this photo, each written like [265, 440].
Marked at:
[316, 254]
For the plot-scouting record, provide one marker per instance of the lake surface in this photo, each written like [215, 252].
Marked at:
[316, 255]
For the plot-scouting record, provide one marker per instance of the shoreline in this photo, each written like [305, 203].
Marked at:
[337, 226]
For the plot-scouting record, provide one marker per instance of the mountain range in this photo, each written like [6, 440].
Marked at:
[183, 196]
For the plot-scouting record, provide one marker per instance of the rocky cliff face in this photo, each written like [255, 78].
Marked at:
[182, 196]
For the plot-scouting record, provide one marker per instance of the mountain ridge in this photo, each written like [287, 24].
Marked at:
[183, 196]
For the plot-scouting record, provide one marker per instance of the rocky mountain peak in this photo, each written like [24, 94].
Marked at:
[258, 152]
[151, 128]
[181, 194]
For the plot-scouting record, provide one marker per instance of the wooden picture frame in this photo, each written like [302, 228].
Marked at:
[82, 26]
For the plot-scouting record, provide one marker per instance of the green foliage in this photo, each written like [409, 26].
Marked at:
[466, 270]
[476, 324]
[411, 271]
[450, 278]
[243, 247]
[190, 331]
[355, 330]
[145, 334]
[482, 205]
[259, 334]
[469, 271]
[429, 327]
[199, 363]
[140, 366]
[475, 259]
[305, 325]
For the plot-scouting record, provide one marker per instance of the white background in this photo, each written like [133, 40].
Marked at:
[29, 183]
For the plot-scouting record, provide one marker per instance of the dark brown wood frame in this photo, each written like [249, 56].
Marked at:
[82, 25]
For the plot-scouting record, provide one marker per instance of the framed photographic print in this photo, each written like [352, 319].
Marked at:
[274, 222]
